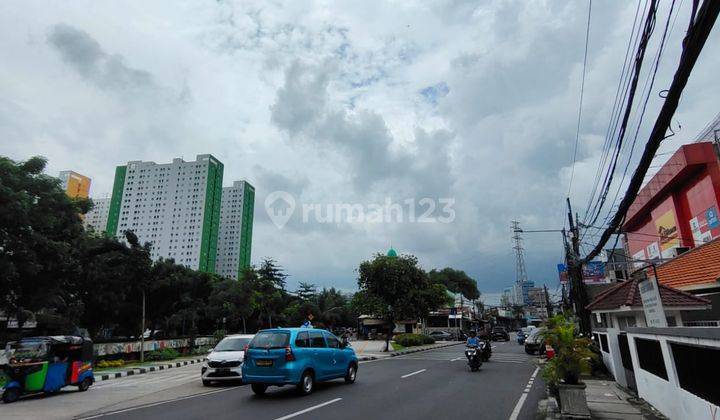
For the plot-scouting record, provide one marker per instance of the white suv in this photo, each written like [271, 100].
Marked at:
[225, 360]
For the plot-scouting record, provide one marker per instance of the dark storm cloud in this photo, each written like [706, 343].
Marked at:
[86, 56]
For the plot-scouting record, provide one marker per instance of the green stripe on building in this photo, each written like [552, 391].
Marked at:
[116, 201]
[211, 216]
[247, 227]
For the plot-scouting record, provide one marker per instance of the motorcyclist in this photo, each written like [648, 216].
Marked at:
[473, 340]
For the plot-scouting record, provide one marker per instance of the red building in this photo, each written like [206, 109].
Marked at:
[678, 208]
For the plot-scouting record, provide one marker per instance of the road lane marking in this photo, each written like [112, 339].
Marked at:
[111, 413]
[456, 359]
[314, 407]
[413, 373]
[516, 411]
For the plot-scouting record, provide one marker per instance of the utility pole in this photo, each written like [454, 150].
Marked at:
[578, 294]
[548, 305]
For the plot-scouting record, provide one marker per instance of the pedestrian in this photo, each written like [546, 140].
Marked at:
[308, 321]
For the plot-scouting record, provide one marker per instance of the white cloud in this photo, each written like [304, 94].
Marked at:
[341, 102]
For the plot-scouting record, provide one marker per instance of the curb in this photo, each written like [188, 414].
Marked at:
[142, 370]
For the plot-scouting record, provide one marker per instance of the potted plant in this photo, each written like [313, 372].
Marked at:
[562, 372]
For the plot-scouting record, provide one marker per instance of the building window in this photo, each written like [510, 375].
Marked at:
[604, 343]
[698, 369]
[651, 357]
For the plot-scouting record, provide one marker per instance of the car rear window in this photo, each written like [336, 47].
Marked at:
[270, 340]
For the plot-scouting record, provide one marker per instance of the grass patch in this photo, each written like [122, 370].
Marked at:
[397, 346]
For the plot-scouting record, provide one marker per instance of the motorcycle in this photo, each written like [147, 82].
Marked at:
[486, 350]
[475, 358]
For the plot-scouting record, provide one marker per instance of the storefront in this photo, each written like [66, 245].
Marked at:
[677, 209]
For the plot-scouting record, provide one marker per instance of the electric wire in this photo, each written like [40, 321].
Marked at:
[582, 94]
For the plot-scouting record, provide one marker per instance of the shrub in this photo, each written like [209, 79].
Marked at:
[411, 340]
[572, 353]
[199, 351]
[164, 354]
[110, 363]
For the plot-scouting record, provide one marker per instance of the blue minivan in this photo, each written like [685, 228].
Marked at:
[297, 356]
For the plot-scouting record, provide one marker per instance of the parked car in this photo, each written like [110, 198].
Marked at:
[441, 336]
[535, 342]
[225, 360]
[499, 333]
[297, 356]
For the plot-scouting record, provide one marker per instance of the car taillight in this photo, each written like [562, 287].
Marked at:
[289, 356]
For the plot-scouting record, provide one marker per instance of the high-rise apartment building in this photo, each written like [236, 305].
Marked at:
[74, 184]
[235, 235]
[97, 217]
[174, 206]
[182, 209]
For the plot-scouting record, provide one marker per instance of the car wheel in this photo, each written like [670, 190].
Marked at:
[85, 384]
[206, 383]
[528, 351]
[259, 389]
[351, 373]
[10, 395]
[307, 383]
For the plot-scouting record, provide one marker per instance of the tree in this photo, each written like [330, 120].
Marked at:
[112, 278]
[306, 291]
[456, 281]
[395, 288]
[268, 286]
[40, 229]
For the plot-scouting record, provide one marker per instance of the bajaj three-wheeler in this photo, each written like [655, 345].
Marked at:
[46, 364]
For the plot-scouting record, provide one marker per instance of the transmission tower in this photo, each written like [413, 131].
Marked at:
[520, 272]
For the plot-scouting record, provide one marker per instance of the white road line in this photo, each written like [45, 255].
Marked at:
[516, 411]
[456, 359]
[110, 413]
[413, 373]
[314, 407]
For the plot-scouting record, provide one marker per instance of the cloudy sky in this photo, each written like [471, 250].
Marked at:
[344, 102]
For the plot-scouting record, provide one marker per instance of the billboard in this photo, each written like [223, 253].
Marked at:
[667, 230]
[593, 273]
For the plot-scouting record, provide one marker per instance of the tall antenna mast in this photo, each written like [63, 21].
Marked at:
[520, 272]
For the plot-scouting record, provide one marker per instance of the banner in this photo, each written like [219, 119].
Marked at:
[667, 232]
[705, 226]
[593, 273]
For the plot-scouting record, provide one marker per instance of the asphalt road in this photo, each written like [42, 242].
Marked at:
[434, 384]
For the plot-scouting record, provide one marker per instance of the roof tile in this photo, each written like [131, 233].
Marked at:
[699, 266]
[627, 294]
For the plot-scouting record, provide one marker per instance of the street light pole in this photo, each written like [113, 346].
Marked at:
[142, 330]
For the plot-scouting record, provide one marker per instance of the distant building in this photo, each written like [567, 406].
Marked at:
[177, 208]
[97, 217]
[235, 233]
[74, 184]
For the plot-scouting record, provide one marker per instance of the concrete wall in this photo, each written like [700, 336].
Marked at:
[667, 395]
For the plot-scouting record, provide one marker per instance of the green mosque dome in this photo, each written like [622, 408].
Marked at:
[391, 253]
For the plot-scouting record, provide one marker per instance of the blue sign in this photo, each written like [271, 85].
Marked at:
[712, 218]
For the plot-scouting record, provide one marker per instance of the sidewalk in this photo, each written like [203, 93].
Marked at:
[606, 400]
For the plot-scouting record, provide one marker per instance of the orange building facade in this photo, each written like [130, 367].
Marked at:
[74, 184]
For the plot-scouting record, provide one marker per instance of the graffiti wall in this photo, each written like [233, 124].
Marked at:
[107, 349]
